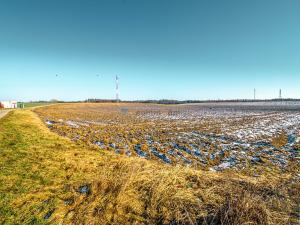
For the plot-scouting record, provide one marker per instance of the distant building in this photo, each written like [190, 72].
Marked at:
[9, 104]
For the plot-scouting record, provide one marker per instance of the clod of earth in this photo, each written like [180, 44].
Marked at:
[85, 189]
[49, 214]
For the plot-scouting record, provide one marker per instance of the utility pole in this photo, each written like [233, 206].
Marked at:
[254, 94]
[117, 88]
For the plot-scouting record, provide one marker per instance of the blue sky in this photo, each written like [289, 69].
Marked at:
[175, 49]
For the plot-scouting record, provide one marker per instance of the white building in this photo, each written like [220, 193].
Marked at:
[9, 104]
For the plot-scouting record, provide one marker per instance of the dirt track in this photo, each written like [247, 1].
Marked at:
[3, 113]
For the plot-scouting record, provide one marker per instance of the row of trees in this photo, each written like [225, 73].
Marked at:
[168, 101]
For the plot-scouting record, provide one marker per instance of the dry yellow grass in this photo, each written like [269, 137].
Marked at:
[280, 140]
[41, 175]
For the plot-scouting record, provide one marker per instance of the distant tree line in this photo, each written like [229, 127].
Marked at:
[95, 100]
[168, 101]
[44, 101]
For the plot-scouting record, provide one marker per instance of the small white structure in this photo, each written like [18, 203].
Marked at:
[9, 104]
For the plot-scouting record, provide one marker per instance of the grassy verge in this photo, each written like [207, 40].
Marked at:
[36, 104]
[47, 179]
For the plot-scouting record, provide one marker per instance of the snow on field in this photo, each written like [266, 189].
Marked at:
[217, 136]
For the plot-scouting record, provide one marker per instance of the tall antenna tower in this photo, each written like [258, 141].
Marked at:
[280, 94]
[117, 88]
[254, 93]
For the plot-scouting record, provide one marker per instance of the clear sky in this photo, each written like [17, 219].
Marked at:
[175, 49]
